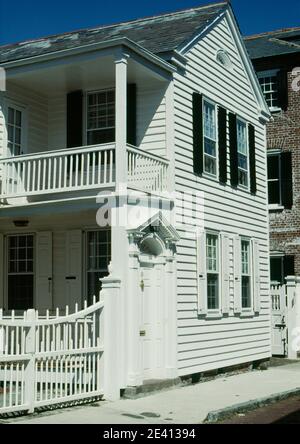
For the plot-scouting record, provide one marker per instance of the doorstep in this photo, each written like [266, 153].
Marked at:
[150, 386]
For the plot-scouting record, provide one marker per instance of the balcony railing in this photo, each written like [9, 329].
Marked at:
[80, 168]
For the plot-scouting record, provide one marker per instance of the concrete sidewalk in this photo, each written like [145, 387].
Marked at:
[190, 404]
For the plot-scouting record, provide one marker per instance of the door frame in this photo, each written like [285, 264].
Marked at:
[144, 261]
[9, 102]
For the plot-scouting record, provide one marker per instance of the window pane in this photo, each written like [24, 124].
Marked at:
[245, 256]
[273, 167]
[242, 137]
[274, 192]
[209, 165]
[269, 86]
[212, 291]
[209, 121]
[101, 117]
[276, 269]
[211, 252]
[246, 294]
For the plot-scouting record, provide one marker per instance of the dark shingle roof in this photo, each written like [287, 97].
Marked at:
[275, 43]
[158, 34]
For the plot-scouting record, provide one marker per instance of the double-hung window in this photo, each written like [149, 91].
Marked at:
[100, 117]
[274, 179]
[269, 84]
[243, 153]
[210, 138]
[212, 268]
[246, 273]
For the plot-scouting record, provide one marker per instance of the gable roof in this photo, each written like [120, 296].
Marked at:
[274, 43]
[159, 34]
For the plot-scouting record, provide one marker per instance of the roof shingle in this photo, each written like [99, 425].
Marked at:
[158, 34]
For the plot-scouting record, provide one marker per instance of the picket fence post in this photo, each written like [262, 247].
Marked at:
[30, 367]
[110, 294]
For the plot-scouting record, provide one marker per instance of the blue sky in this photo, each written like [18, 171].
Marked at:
[22, 20]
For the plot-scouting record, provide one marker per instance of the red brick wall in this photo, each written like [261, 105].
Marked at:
[283, 132]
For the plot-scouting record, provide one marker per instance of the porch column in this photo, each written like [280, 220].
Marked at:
[119, 241]
[135, 377]
[171, 312]
[121, 118]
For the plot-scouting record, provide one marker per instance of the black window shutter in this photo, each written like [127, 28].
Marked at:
[197, 133]
[222, 136]
[288, 266]
[131, 114]
[286, 179]
[251, 139]
[233, 150]
[282, 82]
[74, 119]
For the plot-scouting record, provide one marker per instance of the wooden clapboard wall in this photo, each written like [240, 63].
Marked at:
[203, 343]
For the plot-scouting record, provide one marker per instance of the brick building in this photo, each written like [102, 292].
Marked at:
[276, 58]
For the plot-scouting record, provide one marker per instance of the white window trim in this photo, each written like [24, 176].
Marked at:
[270, 73]
[248, 311]
[205, 173]
[85, 108]
[240, 186]
[214, 313]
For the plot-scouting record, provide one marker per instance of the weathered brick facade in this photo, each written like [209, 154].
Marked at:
[283, 132]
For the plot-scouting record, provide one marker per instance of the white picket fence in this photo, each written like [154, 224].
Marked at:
[51, 359]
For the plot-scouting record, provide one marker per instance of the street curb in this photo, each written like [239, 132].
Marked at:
[244, 407]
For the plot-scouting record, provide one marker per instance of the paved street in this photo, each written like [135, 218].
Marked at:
[282, 412]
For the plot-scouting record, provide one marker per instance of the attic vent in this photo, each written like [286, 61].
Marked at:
[224, 59]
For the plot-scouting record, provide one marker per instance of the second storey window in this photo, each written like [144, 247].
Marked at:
[269, 84]
[242, 148]
[210, 138]
[212, 267]
[100, 117]
[274, 182]
[246, 274]
[280, 179]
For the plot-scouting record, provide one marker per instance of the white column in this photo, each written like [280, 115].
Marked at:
[121, 117]
[135, 377]
[110, 294]
[291, 315]
[119, 241]
[171, 316]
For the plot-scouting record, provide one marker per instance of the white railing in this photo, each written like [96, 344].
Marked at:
[79, 169]
[50, 360]
[277, 292]
[58, 171]
[146, 172]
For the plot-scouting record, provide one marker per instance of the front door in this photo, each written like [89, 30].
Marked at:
[20, 271]
[152, 320]
[279, 331]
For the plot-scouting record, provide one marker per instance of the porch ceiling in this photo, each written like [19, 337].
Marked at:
[88, 75]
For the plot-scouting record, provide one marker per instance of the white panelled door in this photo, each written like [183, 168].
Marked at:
[151, 332]
[43, 293]
[67, 272]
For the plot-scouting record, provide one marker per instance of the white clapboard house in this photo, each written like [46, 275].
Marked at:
[167, 107]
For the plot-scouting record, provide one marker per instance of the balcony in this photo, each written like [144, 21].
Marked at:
[77, 169]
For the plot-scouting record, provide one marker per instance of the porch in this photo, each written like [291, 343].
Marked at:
[76, 125]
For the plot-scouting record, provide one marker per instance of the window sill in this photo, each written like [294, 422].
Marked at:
[275, 109]
[275, 207]
[206, 175]
[213, 315]
[247, 313]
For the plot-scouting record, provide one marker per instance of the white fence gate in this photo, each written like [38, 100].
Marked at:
[279, 319]
[50, 360]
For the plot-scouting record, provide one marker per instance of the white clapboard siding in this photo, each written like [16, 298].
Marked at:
[151, 120]
[36, 136]
[205, 344]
